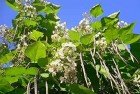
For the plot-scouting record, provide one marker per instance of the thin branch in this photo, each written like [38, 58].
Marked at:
[28, 88]
[124, 87]
[110, 76]
[83, 68]
[35, 85]
[46, 84]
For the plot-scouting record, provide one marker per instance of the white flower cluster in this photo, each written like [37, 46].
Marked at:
[67, 50]
[85, 25]
[21, 46]
[3, 30]
[100, 40]
[122, 24]
[65, 63]
[30, 10]
[59, 32]
[60, 26]
[55, 66]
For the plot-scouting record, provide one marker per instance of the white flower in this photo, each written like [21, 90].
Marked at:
[18, 46]
[55, 66]
[69, 44]
[23, 37]
[84, 21]
[25, 44]
[103, 38]
[97, 35]
[56, 62]
[122, 24]
[55, 37]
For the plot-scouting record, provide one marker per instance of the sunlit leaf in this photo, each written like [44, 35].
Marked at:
[51, 8]
[35, 51]
[130, 38]
[87, 39]
[44, 75]
[127, 30]
[114, 15]
[7, 57]
[12, 4]
[108, 21]
[35, 35]
[111, 34]
[102, 70]
[28, 23]
[74, 35]
[96, 11]
[96, 25]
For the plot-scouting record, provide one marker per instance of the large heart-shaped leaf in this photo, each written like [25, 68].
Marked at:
[35, 51]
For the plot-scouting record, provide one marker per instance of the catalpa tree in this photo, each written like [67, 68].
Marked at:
[39, 55]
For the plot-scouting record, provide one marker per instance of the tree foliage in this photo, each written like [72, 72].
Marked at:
[39, 55]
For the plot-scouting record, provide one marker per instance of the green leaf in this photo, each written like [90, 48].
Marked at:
[18, 71]
[35, 51]
[32, 71]
[96, 11]
[44, 75]
[5, 86]
[79, 89]
[102, 70]
[15, 71]
[7, 57]
[108, 21]
[39, 6]
[114, 15]
[11, 79]
[42, 62]
[135, 49]
[127, 30]
[28, 23]
[35, 35]
[51, 8]
[96, 25]
[12, 4]
[87, 39]
[130, 38]
[74, 35]
[111, 34]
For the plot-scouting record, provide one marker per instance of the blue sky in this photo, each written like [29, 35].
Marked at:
[71, 10]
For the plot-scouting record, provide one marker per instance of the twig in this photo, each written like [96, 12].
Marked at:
[35, 85]
[46, 84]
[28, 88]
[83, 68]
[110, 76]
[124, 87]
